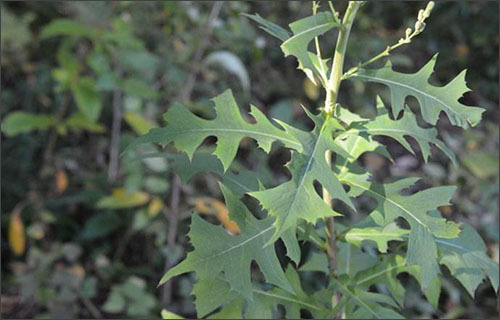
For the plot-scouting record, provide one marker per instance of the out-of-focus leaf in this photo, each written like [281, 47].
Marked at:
[77, 121]
[232, 64]
[87, 98]
[61, 181]
[217, 208]
[67, 27]
[17, 238]
[156, 184]
[138, 88]
[121, 199]
[115, 303]
[20, 122]
[19, 32]
[139, 60]
[100, 224]
[140, 124]
[482, 165]
[155, 207]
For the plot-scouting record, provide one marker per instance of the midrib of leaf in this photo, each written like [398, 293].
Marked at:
[342, 169]
[244, 187]
[361, 302]
[388, 199]
[311, 306]
[309, 162]
[307, 31]
[348, 263]
[408, 87]
[236, 246]
[300, 228]
[449, 244]
[239, 131]
[373, 276]
[410, 133]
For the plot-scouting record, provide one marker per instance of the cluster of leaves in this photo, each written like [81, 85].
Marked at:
[425, 240]
[77, 244]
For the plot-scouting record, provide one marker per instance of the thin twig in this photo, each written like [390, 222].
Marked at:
[114, 156]
[49, 150]
[92, 308]
[188, 89]
[172, 216]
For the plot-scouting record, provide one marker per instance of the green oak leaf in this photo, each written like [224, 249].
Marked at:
[391, 204]
[304, 31]
[465, 255]
[232, 255]
[380, 235]
[383, 125]
[269, 27]
[297, 198]
[318, 262]
[432, 99]
[386, 272]
[467, 259]
[211, 293]
[187, 131]
[365, 305]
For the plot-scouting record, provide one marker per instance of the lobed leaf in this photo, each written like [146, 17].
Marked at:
[391, 204]
[432, 99]
[467, 259]
[304, 31]
[297, 199]
[382, 125]
[386, 272]
[187, 131]
[232, 254]
[381, 235]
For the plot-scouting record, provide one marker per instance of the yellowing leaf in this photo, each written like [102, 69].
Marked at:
[61, 181]
[211, 206]
[17, 239]
[138, 123]
[120, 199]
[155, 207]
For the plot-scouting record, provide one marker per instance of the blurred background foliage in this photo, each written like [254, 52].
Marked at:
[87, 233]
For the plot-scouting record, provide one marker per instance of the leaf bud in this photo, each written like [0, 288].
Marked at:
[430, 6]
[408, 32]
[419, 26]
[420, 14]
[428, 9]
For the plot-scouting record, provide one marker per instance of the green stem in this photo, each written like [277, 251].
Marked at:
[338, 58]
[330, 102]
